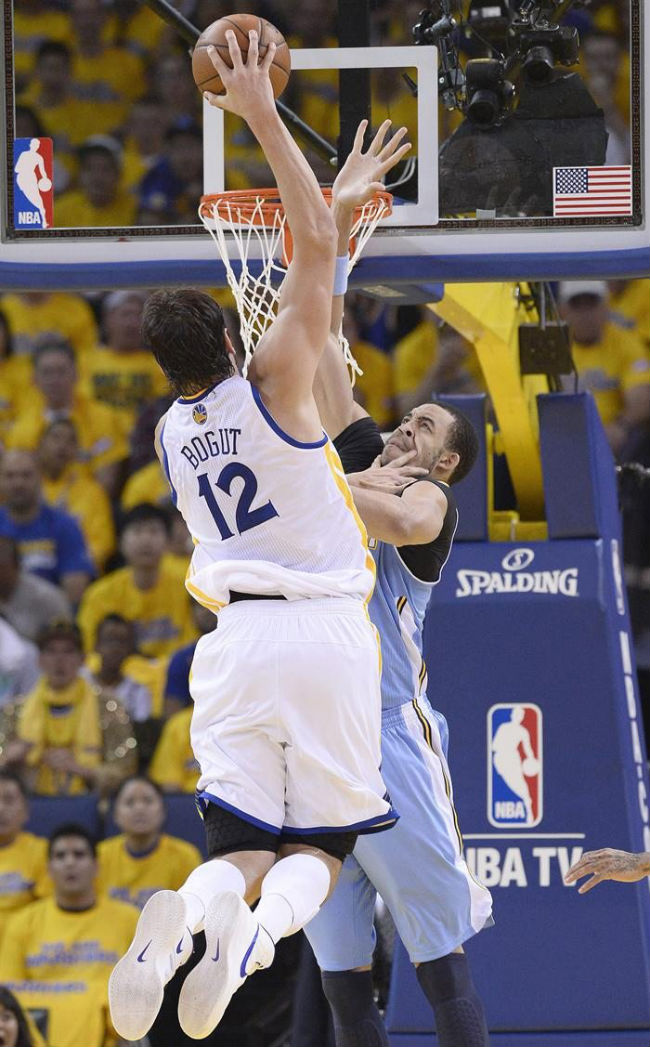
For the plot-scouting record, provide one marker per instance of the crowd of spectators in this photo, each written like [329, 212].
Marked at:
[111, 84]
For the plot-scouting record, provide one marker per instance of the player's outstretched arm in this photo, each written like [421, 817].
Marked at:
[287, 356]
[608, 864]
[356, 182]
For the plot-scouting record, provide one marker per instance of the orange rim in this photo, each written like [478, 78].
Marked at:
[247, 203]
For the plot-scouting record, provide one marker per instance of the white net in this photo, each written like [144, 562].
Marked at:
[259, 235]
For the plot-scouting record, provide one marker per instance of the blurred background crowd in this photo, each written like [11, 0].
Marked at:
[111, 84]
[96, 629]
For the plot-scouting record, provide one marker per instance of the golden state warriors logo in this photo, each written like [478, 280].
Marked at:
[199, 414]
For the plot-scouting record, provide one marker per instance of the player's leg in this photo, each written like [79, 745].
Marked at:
[241, 792]
[342, 937]
[420, 873]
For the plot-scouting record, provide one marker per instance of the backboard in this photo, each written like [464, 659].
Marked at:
[543, 185]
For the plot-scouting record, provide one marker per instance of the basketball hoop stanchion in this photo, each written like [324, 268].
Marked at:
[255, 224]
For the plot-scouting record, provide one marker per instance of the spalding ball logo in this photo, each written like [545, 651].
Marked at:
[199, 414]
[517, 559]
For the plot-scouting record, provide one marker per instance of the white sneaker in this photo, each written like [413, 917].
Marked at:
[235, 946]
[162, 942]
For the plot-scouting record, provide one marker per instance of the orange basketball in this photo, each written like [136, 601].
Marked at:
[205, 75]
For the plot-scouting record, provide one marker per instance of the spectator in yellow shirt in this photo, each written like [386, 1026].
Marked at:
[34, 22]
[58, 723]
[174, 766]
[99, 200]
[102, 445]
[58, 953]
[15, 379]
[23, 856]
[68, 485]
[142, 859]
[147, 591]
[106, 74]
[612, 363]
[37, 316]
[66, 119]
[121, 373]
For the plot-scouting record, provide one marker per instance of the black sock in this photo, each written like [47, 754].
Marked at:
[357, 1022]
[448, 986]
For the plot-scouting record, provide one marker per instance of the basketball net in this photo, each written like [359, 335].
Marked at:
[255, 223]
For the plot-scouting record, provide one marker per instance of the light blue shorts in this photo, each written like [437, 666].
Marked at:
[417, 867]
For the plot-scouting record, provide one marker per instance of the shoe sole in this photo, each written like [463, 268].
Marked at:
[207, 990]
[137, 982]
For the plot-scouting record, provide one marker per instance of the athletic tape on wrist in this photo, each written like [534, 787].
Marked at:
[341, 275]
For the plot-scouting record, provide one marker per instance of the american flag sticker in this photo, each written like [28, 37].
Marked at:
[592, 191]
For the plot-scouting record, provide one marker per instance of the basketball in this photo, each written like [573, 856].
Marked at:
[530, 767]
[45, 185]
[205, 75]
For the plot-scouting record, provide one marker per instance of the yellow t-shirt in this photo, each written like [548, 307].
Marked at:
[376, 383]
[174, 766]
[633, 305]
[75, 211]
[619, 362]
[134, 878]
[124, 381]
[67, 719]
[85, 499]
[23, 874]
[146, 485]
[69, 123]
[141, 33]
[16, 388]
[60, 961]
[113, 78]
[414, 355]
[162, 615]
[99, 429]
[60, 314]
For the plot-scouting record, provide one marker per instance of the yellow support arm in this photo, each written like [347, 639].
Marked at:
[489, 315]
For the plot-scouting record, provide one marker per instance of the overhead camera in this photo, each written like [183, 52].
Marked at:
[489, 94]
[543, 47]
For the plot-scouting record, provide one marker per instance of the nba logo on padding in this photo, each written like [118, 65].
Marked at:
[515, 765]
[33, 194]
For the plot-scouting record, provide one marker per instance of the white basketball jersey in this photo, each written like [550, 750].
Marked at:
[267, 513]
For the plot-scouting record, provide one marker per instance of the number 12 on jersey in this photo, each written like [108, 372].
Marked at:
[246, 516]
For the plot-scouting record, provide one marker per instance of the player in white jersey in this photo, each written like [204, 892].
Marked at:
[286, 690]
[418, 869]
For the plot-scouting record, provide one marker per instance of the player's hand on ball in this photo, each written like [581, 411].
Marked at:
[608, 864]
[359, 178]
[247, 84]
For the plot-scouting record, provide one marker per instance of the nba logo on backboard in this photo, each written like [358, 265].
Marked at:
[515, 765]
[33, 177]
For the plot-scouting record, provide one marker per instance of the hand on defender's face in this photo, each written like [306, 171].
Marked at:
[248, 87]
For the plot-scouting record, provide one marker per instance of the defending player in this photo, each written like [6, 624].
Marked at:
[286, 690]
[418, 868]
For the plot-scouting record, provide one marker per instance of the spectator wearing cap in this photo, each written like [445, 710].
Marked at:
[120, 373]
[175, 183]
[612, 362]
[58, 722]
[146, 591]
[68, 485]
[27, 602]
[99, 200]
[101, 443]
[50, 542]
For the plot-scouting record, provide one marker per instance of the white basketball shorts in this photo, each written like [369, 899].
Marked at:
[287, 716]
